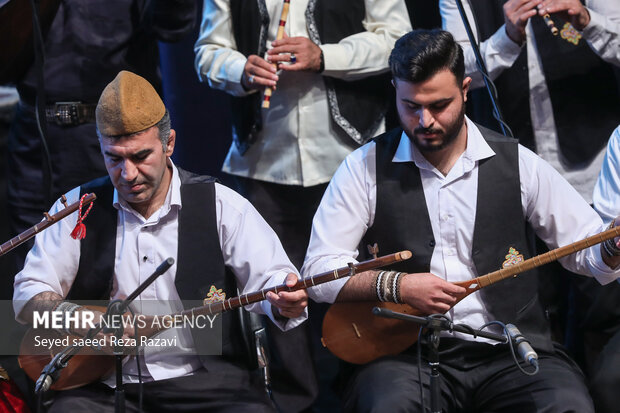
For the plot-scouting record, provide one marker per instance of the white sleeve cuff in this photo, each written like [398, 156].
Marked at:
[502, 43]
[332, 57]
[235, 88]
[595, 28]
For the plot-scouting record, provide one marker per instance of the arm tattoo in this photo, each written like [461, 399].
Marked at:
[45, 301]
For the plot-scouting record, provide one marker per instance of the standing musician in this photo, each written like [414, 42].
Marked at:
[460, 197]
[147, 210]
[560, 93]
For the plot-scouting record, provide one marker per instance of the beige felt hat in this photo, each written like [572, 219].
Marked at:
[127, 105]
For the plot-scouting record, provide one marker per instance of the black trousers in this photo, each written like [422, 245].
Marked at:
[475, 377]
[605, 377]
[205, 391]
[289, 210]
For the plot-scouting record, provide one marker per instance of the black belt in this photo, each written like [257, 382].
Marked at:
[70, 113]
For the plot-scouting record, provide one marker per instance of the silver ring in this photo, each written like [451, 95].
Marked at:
[251, 79]
[293, 58]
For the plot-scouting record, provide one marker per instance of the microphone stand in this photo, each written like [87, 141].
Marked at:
[483, 70]
[436, 325]
[115, 308]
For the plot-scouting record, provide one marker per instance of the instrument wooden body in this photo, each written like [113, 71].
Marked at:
[352, 333]
[90, 365]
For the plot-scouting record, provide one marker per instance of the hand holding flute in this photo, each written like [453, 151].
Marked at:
[573, 11]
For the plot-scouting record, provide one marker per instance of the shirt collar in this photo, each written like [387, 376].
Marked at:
[173, 196]
[476, 150]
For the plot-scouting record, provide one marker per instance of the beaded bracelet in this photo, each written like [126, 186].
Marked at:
[387, 286]
[66, 308]
[378, 287]
[397, 298]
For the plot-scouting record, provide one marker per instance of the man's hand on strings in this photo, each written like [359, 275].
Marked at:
[289, 304]
[429, 293]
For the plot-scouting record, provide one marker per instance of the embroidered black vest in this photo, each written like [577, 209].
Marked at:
[402, 222]
[199, 258]
[584, 89]
[358, 107]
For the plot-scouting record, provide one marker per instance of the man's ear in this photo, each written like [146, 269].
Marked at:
[465, 87]
[171, 142]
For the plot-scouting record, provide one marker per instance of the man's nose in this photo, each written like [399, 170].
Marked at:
[129, 172]
[426, 118]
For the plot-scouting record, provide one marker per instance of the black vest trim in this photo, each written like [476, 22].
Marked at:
[402, 222]
[358, 107]
[251, 38]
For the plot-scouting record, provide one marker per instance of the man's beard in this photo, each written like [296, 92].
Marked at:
[449, 136]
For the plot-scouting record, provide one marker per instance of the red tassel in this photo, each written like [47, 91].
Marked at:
[79, 232]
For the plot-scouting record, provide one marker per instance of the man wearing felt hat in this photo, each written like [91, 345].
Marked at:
[147, 209]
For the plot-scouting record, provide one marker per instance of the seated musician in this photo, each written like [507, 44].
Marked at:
[147, 210]
[460, 198]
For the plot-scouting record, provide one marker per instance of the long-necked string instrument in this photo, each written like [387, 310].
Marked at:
[47, 221]
[90, 364]
[353, 334]
[279, 36]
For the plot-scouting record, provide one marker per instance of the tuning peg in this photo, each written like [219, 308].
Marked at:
[373, 250]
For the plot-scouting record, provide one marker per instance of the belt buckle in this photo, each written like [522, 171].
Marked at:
[66, 113]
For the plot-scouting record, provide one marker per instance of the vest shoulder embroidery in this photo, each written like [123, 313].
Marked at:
[214, 295]
[570, 34]
[512, 258]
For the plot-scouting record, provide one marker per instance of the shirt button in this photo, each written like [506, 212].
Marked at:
[446, 217]
[145, 258]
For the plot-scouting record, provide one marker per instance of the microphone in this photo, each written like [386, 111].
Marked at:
[50, 373]
[524, 348]
[118, 307]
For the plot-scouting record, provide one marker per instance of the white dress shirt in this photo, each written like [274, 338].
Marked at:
[249, 247]
[606, 196]
[554, 209]
[500, 52]
[299, 144]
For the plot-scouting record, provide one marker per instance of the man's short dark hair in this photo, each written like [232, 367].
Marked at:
[420, 54]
